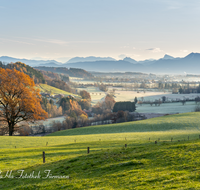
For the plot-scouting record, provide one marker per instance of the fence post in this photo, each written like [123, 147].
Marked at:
[88, 150]
[125, 145]
[43, 157]
[155, 142]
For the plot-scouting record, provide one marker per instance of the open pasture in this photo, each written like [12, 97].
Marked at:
[167, 108]
[166, 165]
[150, 95]
[130, 95]
[142, 165]
[52, 90]
[170, 96]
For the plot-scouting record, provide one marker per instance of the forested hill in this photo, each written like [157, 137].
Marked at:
[33, 73]
[72, 72]
[51, 79]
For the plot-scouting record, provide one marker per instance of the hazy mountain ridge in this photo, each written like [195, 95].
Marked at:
[168, 57]
[90, 59]
[188, 64]
[7, 59]
[103, 66]
[167, 64]
[72, 72]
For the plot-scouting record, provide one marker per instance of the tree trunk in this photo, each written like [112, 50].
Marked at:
[11, 129]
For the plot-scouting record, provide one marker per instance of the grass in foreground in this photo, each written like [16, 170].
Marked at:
[142, 165]
[166, 165]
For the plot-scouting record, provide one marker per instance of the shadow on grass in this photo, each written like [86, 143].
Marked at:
[98, 164]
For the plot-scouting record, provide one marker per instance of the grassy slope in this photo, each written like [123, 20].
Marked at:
[53, 90]
[162, 166]
[186, 121]
[143, 165]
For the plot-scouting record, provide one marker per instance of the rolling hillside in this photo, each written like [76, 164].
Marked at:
[33, 73]
[109, 165]
[186, 121]
[72, 72]
[52, 90]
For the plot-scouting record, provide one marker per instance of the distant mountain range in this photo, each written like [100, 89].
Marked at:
[90, 59]
[53, 63]
[30, 62]
[166, 65]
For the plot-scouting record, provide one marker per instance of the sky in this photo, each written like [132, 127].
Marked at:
[62, 29]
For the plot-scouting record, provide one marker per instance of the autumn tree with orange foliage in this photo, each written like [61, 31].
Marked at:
[19, 100]
[70, 105]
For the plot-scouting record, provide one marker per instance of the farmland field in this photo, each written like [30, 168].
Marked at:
[52, 90]
[142, 165]
[150, 95]
[97, 95]
[167, 108]
[130, 95]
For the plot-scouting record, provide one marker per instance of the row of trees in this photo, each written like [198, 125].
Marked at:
[189, 90]
[82, 121]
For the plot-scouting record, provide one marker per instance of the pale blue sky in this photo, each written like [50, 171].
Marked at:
[140, 29]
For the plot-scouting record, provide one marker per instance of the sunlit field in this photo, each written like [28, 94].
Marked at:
[171, 163]
[167, 108]
[130, 95]
[52, 90]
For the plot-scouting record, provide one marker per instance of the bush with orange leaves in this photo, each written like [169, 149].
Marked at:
[19, 100]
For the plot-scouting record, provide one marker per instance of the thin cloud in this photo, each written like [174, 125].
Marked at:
[62, 42]
[89, 42]
[15, 41]
[155, 50]
[184, 51]
[127, 47]
[52, 41]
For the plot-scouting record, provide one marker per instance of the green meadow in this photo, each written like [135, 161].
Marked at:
[52, 90]
[109, 165]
